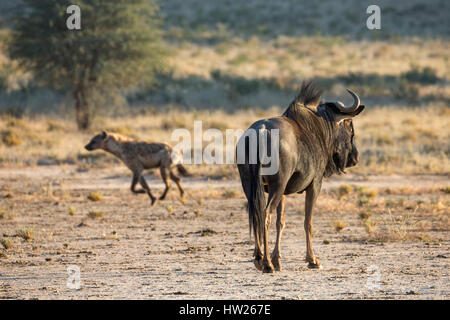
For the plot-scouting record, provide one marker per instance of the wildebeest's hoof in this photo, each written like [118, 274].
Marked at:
[154, 201]
[315, 265]
[268, 268]
[258, 264]
[276, 264]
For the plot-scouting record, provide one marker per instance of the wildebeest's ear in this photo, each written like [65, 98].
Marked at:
[104, 134]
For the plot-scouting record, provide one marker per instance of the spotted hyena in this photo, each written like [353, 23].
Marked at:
[141, 155]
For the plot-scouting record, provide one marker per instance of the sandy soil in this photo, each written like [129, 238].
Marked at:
[195, 250]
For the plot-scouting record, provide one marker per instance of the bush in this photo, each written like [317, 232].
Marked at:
[11, 139]
[424, 75]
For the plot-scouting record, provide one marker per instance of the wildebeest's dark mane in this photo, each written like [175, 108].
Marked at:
[307, 118]
[309, 95]
[317, 119]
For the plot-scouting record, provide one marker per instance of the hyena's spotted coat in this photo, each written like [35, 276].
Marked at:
[140, 155]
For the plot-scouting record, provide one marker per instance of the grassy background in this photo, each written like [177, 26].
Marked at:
[235, 62]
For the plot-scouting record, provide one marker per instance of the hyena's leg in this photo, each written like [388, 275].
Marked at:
[166, 180]
[177, 180]
[147, 189]
[134, 182]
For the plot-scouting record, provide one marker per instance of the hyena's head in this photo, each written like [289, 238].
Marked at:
[97, 142]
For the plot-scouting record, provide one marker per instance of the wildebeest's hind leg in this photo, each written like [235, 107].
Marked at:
[177, 180]
[134, 182]
[146, 188]
[275, 195]
[311, 195]
[166, 180]
[276, 254]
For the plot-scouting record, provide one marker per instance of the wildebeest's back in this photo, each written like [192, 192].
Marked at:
[290, 153]
[301, 153]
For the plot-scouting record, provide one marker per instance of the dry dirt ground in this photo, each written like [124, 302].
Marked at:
[200, 249]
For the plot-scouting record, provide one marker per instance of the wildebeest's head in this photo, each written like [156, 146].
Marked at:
[344, 153]
[336, 132]
[97, 142]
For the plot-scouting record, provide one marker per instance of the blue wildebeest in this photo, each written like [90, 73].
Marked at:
[316, 140]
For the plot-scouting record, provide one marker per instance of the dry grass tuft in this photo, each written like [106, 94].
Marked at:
[446, 189]
[364, 215]
[169, 208]
[6, 214]
[94, 214]
[343, 190]
[366, 192]
[26, 234]
[94, 196]
[394, 227]
[6, 243]
[339, 225]
[365, 195]
[230, 194]
[370, 226]
[72, 211]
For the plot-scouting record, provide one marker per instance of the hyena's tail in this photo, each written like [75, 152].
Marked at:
[177, 160]
[182, 170]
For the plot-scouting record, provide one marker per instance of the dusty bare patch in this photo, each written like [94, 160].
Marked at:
[120, 252]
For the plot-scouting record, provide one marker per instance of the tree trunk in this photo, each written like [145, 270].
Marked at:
[82, 109]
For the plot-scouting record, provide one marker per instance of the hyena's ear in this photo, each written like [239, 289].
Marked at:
[104, 134]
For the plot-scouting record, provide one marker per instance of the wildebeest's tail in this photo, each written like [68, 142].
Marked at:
[182, 170]
[256, 201]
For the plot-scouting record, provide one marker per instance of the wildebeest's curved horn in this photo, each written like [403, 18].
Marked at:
[355, 105]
